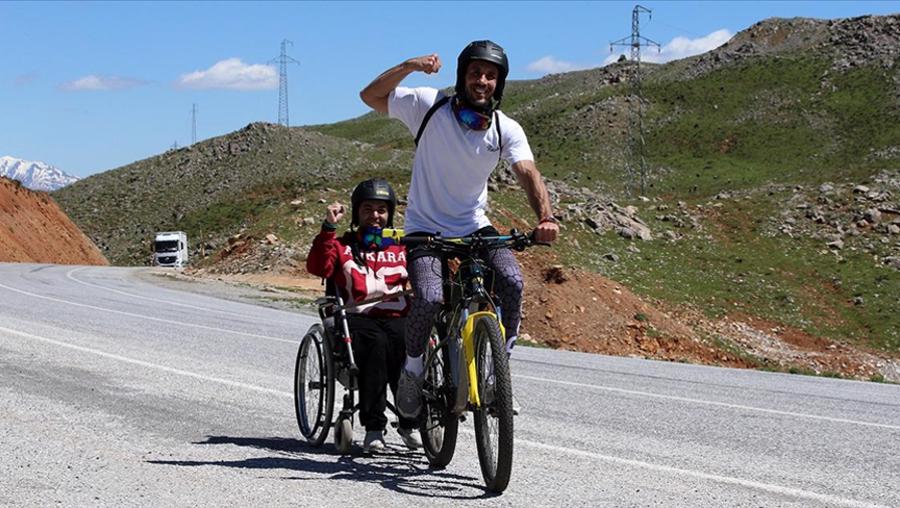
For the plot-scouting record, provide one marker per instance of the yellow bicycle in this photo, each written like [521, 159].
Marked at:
[466, 363]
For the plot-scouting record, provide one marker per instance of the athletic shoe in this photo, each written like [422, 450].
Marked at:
[409, 394]
[374, 441]
[409, 438]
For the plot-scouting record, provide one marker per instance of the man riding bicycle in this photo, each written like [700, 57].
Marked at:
[465, 138]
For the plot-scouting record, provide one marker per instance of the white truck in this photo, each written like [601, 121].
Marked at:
[170, 248]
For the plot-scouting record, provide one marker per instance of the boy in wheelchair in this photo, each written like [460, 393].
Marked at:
[361, 268]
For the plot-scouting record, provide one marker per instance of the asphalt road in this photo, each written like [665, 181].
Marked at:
[117, 391]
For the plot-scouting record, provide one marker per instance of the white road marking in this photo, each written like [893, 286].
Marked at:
[768, 487]
[161, 320]
[142, 363]
[533, 378]
[709, 402]
[70, 276]
[775, 489]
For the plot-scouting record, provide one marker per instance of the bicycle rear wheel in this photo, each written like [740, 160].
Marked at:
[314, 386]
[494, 419]
[439, 425]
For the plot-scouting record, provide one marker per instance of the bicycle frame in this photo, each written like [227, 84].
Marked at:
[469, 354]
[465, 307]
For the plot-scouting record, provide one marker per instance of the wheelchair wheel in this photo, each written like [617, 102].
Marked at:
[439, 426]
[494, 419]
[343, 435]
[314, 386]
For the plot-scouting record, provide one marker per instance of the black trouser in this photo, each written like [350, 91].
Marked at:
[379, 351]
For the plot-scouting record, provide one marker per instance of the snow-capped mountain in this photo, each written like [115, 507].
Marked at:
[35, 175]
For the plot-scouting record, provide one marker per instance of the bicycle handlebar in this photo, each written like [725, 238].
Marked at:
[515, 240]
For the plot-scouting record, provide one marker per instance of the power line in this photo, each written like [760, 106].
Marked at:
[636, 129]
[681, 29]
[194, 124]
[283, 61]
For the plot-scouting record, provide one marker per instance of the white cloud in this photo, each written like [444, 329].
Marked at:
[677, 48]
[232, 74]
[550, 65]
[680, 47]
[95, 82]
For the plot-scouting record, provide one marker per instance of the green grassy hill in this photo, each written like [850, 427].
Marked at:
[213, 189]
[738, 137]
[785, 101]
[755, 151]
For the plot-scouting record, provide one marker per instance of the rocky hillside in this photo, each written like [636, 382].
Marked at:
[33, 229]
[734, 139]
[211, 189]
[785, 100]
[846, 43]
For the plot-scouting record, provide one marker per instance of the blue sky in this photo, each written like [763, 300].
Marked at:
[91, 86]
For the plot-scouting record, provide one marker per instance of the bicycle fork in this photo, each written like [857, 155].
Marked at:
[468, 341]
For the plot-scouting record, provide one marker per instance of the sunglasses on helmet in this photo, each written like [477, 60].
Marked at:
[372, 238]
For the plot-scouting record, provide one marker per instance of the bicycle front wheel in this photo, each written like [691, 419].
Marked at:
[494, 418]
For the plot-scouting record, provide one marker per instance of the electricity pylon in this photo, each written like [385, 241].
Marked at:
[636, 144]
[283, 61]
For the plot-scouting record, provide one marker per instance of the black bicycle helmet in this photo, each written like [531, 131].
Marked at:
[489, 52]
[375, 188]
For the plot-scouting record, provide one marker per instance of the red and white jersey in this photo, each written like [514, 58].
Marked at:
[384, 273]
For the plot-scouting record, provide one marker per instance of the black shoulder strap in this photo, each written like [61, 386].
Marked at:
[499, 135]
[443, 100]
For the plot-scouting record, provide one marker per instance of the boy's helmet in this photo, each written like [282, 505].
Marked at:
[489, 52]
[377, 189]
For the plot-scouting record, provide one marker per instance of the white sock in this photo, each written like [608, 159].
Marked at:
[415, 365]
[510, 343]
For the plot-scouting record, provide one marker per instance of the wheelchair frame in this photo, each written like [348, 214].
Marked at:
[332, 346]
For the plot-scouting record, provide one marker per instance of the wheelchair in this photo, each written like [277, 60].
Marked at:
[325, 361]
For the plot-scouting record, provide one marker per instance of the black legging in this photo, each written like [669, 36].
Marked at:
[424, 268]
[378, 351]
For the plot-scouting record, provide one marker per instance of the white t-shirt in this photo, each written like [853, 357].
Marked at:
[448, 192]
